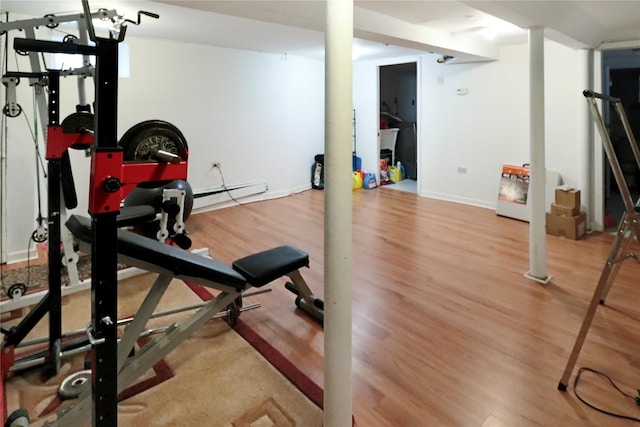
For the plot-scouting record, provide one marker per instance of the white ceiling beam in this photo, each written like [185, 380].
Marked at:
[381, 28]
[564, 21]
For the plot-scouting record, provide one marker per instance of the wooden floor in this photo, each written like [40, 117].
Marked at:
[446, 329]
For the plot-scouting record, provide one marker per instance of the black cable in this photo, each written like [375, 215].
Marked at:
[613, 414]
[34, 137]
[224, 185]
[3, 140]
[28, 281]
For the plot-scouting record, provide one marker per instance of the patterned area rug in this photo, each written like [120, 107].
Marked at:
[35, 277]
[215, 378]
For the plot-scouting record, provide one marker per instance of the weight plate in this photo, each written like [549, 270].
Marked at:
[140, 142]
[232, 314]
[78, 123]
[74, 385]
[238, 301]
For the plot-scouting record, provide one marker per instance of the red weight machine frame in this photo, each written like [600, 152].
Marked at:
[111, 180]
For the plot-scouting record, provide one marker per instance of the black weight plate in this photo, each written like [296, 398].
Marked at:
[78, 123]
[232, 314]
[139, 142]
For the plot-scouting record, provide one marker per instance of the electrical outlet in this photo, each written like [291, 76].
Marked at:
[216, 164]
[462, 170]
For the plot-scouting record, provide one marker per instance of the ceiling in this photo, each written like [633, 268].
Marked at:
[467, 30]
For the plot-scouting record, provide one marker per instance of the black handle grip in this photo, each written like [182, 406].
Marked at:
[149, 14]
[29, 45]
[591, 94]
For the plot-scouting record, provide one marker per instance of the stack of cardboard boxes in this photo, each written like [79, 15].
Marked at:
[565, 218]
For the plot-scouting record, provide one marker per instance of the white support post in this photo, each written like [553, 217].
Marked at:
[536, 196]
[585, 132]
[337, 214]
[599, 158]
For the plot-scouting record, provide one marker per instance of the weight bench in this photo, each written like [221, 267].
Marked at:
[265, 267]
[170, 263]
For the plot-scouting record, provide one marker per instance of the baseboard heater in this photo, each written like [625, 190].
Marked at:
[239, 191]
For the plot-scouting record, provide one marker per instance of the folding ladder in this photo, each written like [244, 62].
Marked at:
[628, 230]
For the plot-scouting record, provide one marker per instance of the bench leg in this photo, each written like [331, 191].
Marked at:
[154, 351]
[305, 299]
[133, 330]
[149, 355]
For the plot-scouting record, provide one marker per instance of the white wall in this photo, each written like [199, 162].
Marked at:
[484, 129]
[260, 115]
[479, 131]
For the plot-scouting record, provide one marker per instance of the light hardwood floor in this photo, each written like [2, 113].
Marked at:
[446, 329]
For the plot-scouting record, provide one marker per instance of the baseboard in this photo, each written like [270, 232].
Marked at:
[457, 199]
[22, 256]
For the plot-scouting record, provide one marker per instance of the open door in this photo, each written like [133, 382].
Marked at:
[398, 110]
[621, 75]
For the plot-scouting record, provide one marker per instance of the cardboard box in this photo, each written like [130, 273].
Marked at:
[569, 199]
[564, 211]
[571, 227]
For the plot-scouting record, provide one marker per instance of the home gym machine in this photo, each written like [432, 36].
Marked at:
[628, 230]
[75, 131]
[147, 141]
[106, 165]
[39, 80]
[112, 366]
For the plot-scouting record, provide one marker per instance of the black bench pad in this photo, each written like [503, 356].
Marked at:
[264, 267]
[149, 252]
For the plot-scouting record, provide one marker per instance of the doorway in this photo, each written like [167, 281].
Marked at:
[621, 75]
[398, 110]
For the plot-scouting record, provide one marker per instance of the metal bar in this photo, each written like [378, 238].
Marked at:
[25, 326]
[628, 131]
[53, 224]
[611, 155]
[607, 271]
[83, 331]
[592, 94]
[104, 250]
[52, 20]
[153, 352]
[25, 364]
[143, 314]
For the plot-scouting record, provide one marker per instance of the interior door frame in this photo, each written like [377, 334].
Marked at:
[391, 62]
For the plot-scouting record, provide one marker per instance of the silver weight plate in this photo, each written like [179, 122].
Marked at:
[74, 385]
